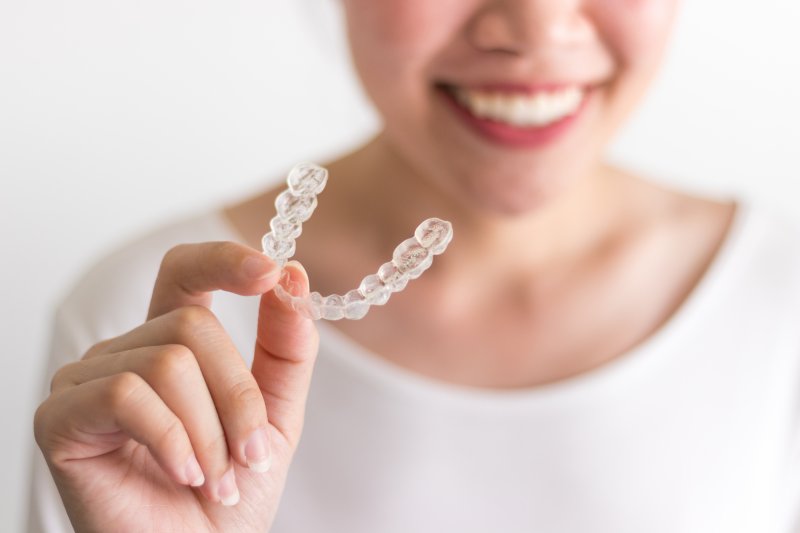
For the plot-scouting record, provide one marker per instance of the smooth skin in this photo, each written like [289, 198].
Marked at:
[560, 263]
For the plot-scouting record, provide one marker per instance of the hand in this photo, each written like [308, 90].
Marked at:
[155, 429]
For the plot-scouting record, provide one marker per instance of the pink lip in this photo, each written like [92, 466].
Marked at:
[515, 136]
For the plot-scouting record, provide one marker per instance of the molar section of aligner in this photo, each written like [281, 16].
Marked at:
[307, 179]
[434, 234]
[411, 258]
[294, 206]
[392, 278]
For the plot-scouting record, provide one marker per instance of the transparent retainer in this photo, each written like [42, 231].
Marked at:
[410, 259]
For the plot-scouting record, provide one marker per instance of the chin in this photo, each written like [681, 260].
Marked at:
[510, 203]
[512, 198]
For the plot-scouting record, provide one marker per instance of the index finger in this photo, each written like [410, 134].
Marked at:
[189, 273]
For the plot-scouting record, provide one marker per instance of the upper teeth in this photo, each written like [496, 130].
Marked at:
[521, 109]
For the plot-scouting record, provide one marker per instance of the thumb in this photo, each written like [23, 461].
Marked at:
[286, 348]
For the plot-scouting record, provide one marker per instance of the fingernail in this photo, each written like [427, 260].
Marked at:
[228, 491]
[194, 474]
[257, 453]
[295, 288]
[258, 267]
[290, 286]
[297, 266]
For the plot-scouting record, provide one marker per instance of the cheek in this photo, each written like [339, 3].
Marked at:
[636, 31]
[393, 45]
[400, 33]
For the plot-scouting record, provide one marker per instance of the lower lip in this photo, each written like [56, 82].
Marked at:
[515, 136]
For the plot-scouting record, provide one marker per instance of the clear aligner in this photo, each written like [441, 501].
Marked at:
[409, 260]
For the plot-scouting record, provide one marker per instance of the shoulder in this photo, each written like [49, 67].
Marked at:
[757, 261]
[771, 243]
[734, 236]
[113, 294]
[741, 255]
[754, 292]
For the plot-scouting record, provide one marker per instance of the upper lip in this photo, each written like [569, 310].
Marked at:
[515, 87]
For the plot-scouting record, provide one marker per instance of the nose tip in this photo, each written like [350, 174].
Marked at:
[521, 26]
[491, 32]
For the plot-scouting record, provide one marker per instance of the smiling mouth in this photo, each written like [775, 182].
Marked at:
[521, 109]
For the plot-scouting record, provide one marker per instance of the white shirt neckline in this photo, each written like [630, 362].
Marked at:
[638, 360]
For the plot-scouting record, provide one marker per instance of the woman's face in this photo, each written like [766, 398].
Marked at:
[503, 103]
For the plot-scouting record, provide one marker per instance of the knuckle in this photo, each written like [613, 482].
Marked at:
[245, 399]
[173, 360]
[193, 320]
[45, 420]
[173, 438]
[63, 376]
[216, 446]
[97, 348]
[172, 255]
[124, 389]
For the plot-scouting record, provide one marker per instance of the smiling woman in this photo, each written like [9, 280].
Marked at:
[514, 58]
[594, 352]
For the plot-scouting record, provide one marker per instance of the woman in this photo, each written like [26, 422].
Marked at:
[592, 353]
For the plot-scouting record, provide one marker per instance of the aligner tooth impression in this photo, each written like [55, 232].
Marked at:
[410, 259]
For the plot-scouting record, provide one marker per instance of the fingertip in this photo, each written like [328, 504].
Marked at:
[193, 473]
[297, 267]
[286, 308]
[228, 491]
[257, 453]
[295, 279]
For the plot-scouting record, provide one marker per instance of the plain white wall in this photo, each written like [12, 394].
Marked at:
[117, 116]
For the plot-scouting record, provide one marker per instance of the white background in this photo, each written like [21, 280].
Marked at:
[116, 116]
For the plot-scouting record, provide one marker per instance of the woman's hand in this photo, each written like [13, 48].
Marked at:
[165, 428]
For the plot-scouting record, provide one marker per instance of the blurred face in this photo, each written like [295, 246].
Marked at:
[504, 103]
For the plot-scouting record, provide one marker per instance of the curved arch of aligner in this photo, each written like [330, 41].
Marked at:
[410, 258]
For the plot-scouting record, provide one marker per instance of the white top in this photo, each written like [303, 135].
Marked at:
[695, 430]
